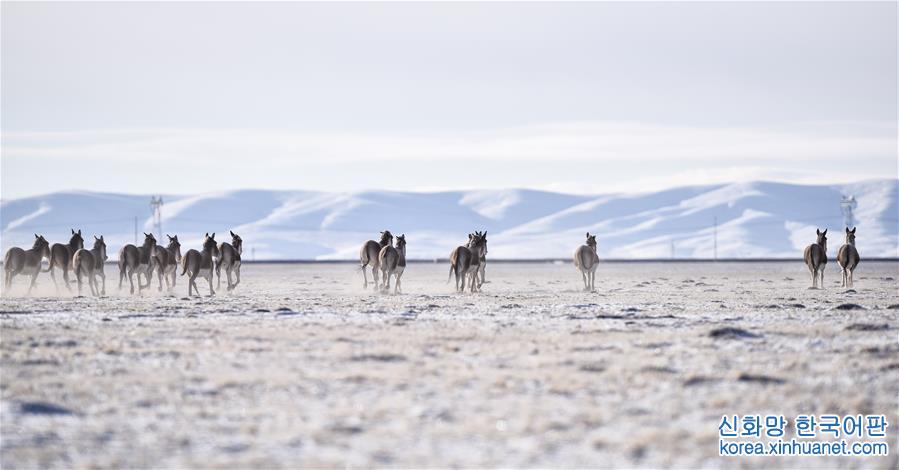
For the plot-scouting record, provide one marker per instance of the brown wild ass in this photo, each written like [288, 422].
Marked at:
[393, 262]
[61, 255]
[465, 261]
[166, 262]
[847, 258]
[229, 258]
[586, 260]
[137, 260]
[27, 262]
[482, 262]
[816, 257]
[368, 255]
[197, 263]
[90, 263]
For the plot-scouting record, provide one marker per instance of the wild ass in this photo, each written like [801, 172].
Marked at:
[816, 257]
[392, 261]
[368, 255]
[166, 261]
[134, 260]
[90, 263]
[197, 263]
[61, 255]
[229, 258]
[586, 260]
[27, 262]
[465, 261]
[482, 261]
[847, 258]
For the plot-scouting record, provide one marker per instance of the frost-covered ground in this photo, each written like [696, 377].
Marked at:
[300, 367]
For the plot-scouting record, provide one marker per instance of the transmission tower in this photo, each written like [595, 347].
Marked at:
[156, 205]
[847, 205]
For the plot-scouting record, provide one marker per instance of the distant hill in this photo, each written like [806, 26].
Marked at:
[758, 219]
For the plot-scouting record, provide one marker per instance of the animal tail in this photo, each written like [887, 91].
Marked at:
[49, 264]
[450, 276]
[6, 261]
[183, 265]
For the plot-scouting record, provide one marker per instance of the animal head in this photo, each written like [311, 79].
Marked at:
[210, 245]
[42, 245]
[236, 242]
[401, 242]
[100, 247]
[477, 242]
[386, 238]
[175, 246]
[483, 236]
[850, 235]
[76, 241]
[591, 241]
[149, 240]
[822, 238]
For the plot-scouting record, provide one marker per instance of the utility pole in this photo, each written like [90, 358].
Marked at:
[156, 205]
[847, 205]
[716, 239]
[253, 254]
[672, 249]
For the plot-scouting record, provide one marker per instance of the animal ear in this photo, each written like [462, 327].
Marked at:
[37, 236]
[73, 231]
[231, 232]
[101, 238]
[824, 232]
[213, 235]
[95, 237]
[853, 229]
[79, 231]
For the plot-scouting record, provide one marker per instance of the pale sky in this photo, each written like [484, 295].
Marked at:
[590, 98]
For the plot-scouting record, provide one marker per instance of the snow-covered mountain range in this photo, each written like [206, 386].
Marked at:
[757, 219]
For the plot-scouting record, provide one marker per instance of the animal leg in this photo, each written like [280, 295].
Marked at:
[228, 275]
[33, 282]
[209, 279]
[131, 279]
[218, 274]
[78, 277]
[237, 274]
[103, 276]
[65, 278]
[374, 274]
[53, 276]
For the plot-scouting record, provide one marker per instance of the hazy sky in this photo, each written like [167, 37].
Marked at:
[186, 98]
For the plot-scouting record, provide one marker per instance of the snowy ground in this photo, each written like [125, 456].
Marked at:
[300, 367]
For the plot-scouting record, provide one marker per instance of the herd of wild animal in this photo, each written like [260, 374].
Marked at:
[144, 260]
[385, 260]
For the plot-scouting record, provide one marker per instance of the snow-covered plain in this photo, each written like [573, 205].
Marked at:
[759, 219]
[301, 367]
